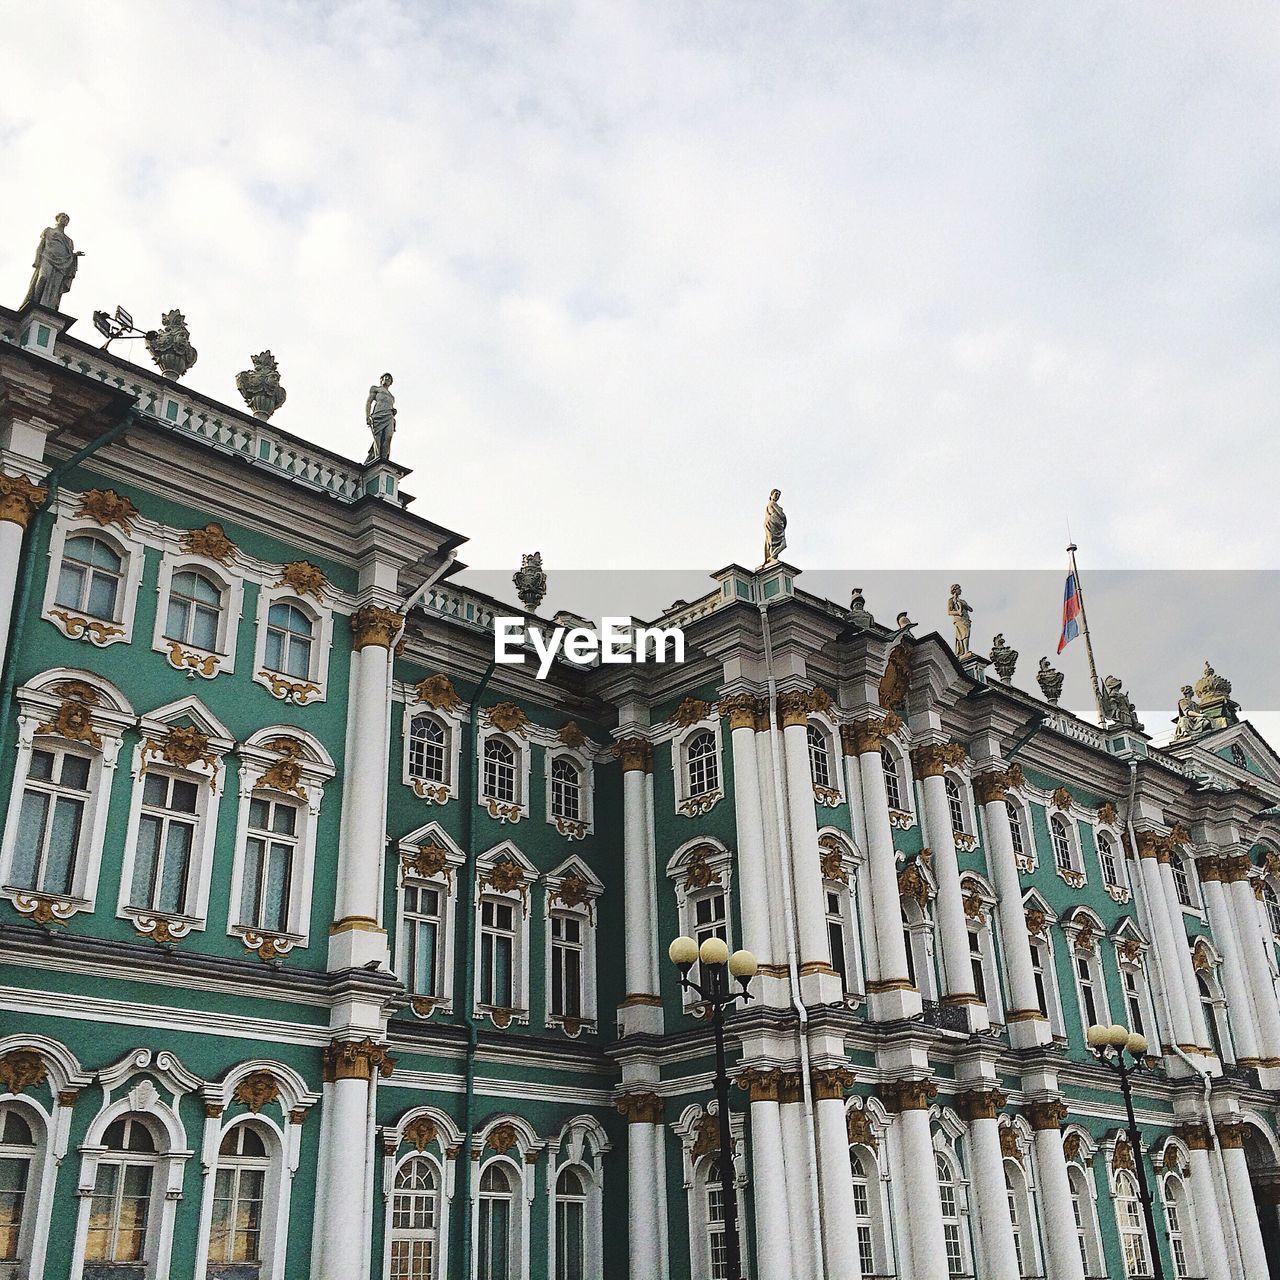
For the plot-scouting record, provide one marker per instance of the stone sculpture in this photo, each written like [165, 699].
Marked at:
[1050, 681]
[1117, 706]
[904, 622]
[961, 615]
[260, 386]
[1190, 720]
[55, 266]
[531, 582]
[170, 345]
[861, 618]
[1003, 658]
[775, 527]
[380, 414]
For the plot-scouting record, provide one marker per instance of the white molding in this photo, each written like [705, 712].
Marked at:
[502, 810]
[78, 626]
[585, 913]
[292, 689]
[446, 882]
[207, 663]
[584, 825]
[686, 805]
[454, 724]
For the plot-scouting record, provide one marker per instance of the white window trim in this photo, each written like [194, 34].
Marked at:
[583, 891]
[1076, 877]
[210, 778]
[77, 626]
[689, 806]
[1091, 953]
[453, 724]
[991, 969]
[290, 688]
[1188, 1227]
[436, 1150]
[581, 1145]
[919, 936]
[501, 810]
[584, 825]
[38, 705]
[446, 880]
[1120, 892]
[524, 877]
[1028, 861]
[1052, 992]
[523, 1178]
[1028, 1219]
[944, 1140]
[830, 839]
[904, 819]
[195, 661]
[1092, 1227]
[314, 769]
[695, 1184]
[833, 796]
[1183, 857]
[878, 1201]
[716, 868]
[1122, 938]
[967, 840]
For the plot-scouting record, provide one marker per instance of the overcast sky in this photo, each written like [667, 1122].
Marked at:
[947, 274]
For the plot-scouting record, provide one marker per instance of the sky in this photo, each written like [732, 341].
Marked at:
[952, 276]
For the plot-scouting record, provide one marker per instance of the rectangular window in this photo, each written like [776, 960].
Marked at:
[1037, 970]
[423, 927]
[51, 821]
[1133, 1000]
[497, 953]
[236, 1230]
[166, 835]
[835, 936]
[118, 1213]
[709, 920]
[719, 1246]
[270, 849]
[13, 1195]
[1088, 1000]
[975, 963]
[566, 966]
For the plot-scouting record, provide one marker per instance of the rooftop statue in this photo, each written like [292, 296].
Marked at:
[904, 622]
[1003, 658]
[170, 345]
[1050, 681]
[55, 266]
[531, 582]
[1190, 720]
[960, 613]
[775, 527]
[862, 618]
[1118, 707]
[260, 386]
[380, 414]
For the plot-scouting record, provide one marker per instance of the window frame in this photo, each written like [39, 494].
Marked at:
[571, 891]
[517, 898]
[699, 869]
[1048, 968]
[584, 824]
[438, 871]
[32, 1233]
[518, 1225]
[1135, 1227]
[955, 1179]
[77, 625]
[1061, 822]
[1028, 861]
[504, 811]
[1119, 889]
[879, 1215]
[831, 794]
[280, 684]
[1088, 1227]
[688, 804]
[1083, 933]
[181, 654]
[581, 1146]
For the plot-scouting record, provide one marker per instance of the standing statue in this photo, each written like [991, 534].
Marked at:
[1118, 707]
[1190, 720]
[170, 345]
[1050, 681]
[55, 266]
[960, 613]
[775, 527]
[861, 618]
[531, 582]
[1003, 658]
[260, 386]
[380, 414]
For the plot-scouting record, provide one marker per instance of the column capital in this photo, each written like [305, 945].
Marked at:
[1235, 867]
[745, 711]
[980, 1104]
[20, 499]
[795, 705]
[635, 753]
[907, 1095]
[758, 1085]
[1210, 869]
[1196, 1137]
[372, 624]
[1231, 1135]
[356, 1060]
[988, 787]
[867, 735]
[641, 1108]
[934, 758]
[831, 1082]
[790, 1086]
[1149, 845]
[1047, 1114]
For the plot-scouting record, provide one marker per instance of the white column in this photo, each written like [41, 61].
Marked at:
[1255, 939]
[1214, 1253]
[797, 1155]
[930, 762]
[919, 1200]
[1244, 1211]
[1062, 1243]
[651, 886]
[836, 1175]
[1165, 942]
[644, 1118]
[768, 1178]
[1244, 1025]
[1027, 1025]
[641, 1009]
[357, 937]
[19, 499]
[999, 1257]
[891, 994]
[753, 868]
[1199, 1028]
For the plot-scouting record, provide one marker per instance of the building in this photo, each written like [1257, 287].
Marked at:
[330, 949]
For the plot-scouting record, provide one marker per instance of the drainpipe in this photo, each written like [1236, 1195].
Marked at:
[466, 795]
[793, 969]
[1206, 1080]
[26, 570]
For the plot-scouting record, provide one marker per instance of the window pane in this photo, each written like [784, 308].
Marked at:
[63, 841]
[250, 893]
[70, 584]
[145, 858]
[175, 627]
[75, 772]
[276, 902]
[31, 824]
[273, 654]
[502, 975]
[299, 661]
[177, 859]
[102, 596]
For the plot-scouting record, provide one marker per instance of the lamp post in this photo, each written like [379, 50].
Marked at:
[1109, 1045]
[718, 966]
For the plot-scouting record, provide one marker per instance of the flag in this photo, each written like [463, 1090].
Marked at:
[1070, 611]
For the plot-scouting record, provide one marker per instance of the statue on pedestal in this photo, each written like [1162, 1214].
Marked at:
[530, 581]
[260, 386]
[380, 414]
[1190, 720]
[775, 527]
[55, 266]
[1050, 681]
[170, 345]
[1118, 707]
[861, 616]
[1003, 658]
[960, 614]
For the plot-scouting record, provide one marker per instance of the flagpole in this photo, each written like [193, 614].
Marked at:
[1088, 643]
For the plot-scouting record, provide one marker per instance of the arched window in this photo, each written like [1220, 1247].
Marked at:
[239, 1194]
[1108, 860]
[1086, 1219]
[415, 1212]
[702, 769]
[496, 1217]
[428, 750]
[1272, 900]
[1133, 978]
[1133, 1231]
[717, 1241]
[17, 1180]
[892, 779]
[500, 771]
[952, 1221]
[195, 610]
[955, 805]
[1181, 1228]
[1182, 881]
[566, 789]
[90, 577]
[1016, 834]
[1021, 1215]
[120, 1210]
[51, 821]
[868, 1213]
[819, 757]
[289, 640]
[571, 1225]
[1063, 857]
[1209, 1003]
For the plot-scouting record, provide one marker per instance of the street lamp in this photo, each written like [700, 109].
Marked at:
[718, 966]
[1109, 1045]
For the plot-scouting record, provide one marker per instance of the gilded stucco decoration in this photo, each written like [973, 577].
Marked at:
[106, 506]
[859, 1128]
[706, 1136]
[302, 577]
[284, 774]
[508, 718]
[430, 860]
[641, 1108]
[895, 684]
[420, 1132]
[506, 876]
[691, 711]
[1107, 814]
[1009, 1148]
[183, 746]
[699, 874]
[502, 1137]
[913, 885]
[210, 542]
[438, 693]
[20, 499]
[1122, 1156]
[1072, 1146]
[298, 692]
[43, 908]
[21, 1068]
[267, 946]
[1061, 798]
[573, 891]
[74, 627]
[1201, 957]
[372, 624]
[571, 735]
[192, 661]
[831, 859]
[74, 717]
[1037, 923]
[257, 1090]
[162, 929]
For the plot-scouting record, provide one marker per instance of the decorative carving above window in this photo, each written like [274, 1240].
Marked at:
[509, 718]
[438, 693]
[304, 578]
[106, 506]
[210, 542]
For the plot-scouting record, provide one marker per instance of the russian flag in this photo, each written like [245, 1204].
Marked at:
[1070, 612]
